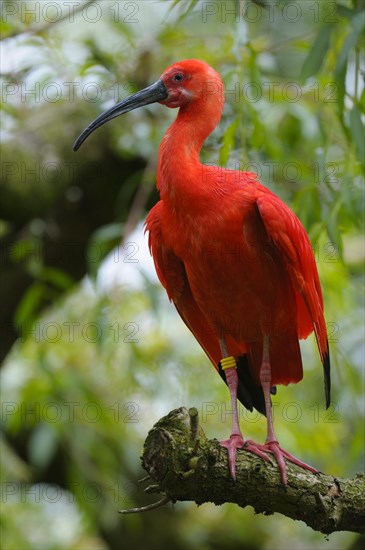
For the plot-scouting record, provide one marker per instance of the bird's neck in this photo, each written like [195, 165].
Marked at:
[180, 174]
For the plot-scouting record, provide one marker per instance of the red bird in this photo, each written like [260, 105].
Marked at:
[234, 259]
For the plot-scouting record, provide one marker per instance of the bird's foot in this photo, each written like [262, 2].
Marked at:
[274, 448]
[234, 442]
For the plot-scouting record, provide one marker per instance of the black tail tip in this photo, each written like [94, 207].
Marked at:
[327, 378]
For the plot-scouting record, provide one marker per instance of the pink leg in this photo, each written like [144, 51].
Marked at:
[235, 440]
[271, 444]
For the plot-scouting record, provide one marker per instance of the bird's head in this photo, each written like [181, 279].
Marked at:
[188, 84]
[191, 81]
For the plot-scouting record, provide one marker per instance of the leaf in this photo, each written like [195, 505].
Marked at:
[357, 26]
[183, 15]
[334, 234]
[101, 243]
[42, 445]
[357, 133]
[315, 58]
[173, 4]
[344, 11]
[228, 142]
[26, 250]
[191, 6]
[341, 91]
[107, 232]
[347, 195]
[57, 277]
[27, 309]
[362, 101]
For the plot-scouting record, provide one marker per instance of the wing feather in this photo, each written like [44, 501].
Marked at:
[287, 233]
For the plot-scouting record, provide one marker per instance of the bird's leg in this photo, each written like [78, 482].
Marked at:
[271, 444]
[235, 440]
[265, 379]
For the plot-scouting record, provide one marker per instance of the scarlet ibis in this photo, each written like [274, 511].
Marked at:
[233, 258]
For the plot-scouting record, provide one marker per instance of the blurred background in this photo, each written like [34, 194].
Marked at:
[93, 353]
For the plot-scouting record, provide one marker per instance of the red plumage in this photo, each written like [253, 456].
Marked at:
[234, 259]
[231, 255]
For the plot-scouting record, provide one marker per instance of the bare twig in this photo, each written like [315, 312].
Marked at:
[147, 508]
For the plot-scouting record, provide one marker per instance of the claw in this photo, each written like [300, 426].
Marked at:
[234, 442]
[274, 448]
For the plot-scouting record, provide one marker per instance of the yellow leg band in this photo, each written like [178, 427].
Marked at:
[228, 362]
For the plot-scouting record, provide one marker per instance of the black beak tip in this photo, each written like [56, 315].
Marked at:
[80, 140]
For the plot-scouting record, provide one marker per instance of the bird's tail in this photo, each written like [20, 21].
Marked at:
[320, 332]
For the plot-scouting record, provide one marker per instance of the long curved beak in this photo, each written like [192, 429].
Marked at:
[152, 94]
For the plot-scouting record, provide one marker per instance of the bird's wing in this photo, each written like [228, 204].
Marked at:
[172, 275]
[288, 235]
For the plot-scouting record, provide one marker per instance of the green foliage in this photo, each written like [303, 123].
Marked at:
[88, 376]
[316, 56]
[104, 240]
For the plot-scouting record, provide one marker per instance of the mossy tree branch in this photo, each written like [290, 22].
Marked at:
[185, 465]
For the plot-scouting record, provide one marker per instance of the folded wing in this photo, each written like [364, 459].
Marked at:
[288, 235]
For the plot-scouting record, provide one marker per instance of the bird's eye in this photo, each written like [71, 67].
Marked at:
[178, 77]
